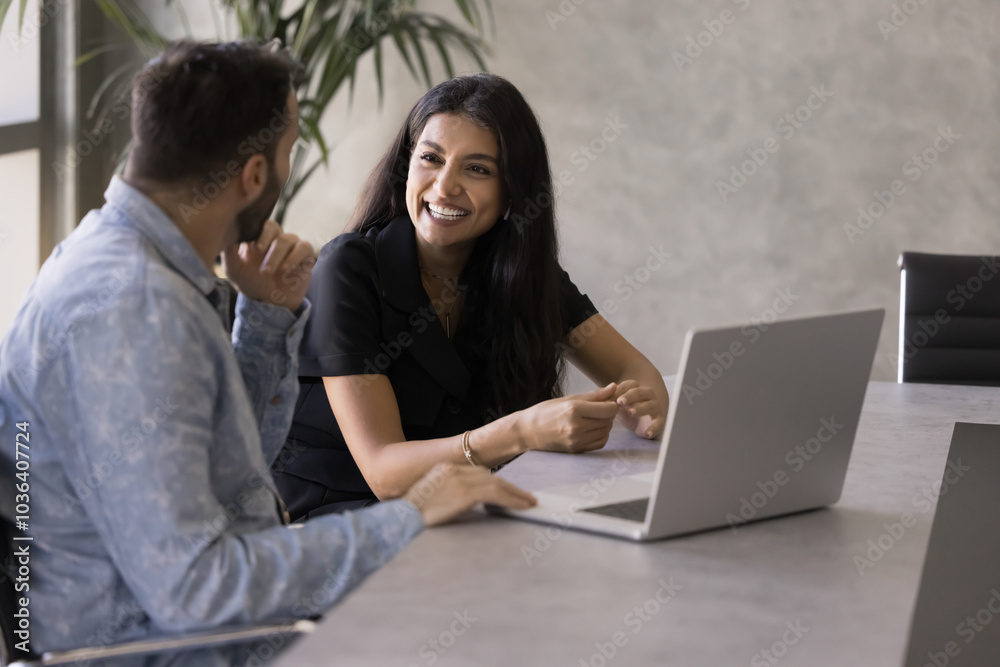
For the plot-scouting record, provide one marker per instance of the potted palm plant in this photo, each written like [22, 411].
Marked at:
[329, 38]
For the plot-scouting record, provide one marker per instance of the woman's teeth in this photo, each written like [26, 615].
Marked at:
[446, 213]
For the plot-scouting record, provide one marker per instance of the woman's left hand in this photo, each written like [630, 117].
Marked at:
[640, 410]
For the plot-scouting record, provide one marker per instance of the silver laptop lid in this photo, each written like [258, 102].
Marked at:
[761, 421]
[955, 621]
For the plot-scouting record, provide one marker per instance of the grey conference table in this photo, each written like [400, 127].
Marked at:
[494, 591]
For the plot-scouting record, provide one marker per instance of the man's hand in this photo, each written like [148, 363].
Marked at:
[274, 269]
[448, 490]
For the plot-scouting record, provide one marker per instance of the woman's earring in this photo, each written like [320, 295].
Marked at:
[507, 214]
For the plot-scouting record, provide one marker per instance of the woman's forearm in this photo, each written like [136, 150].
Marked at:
[399, 465]
[646, 374]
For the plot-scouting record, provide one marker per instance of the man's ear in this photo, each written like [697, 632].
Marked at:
[253, 177]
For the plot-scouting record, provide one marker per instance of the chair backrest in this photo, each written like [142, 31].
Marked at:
[949, 319]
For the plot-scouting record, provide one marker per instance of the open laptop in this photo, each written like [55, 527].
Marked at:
[959, 591]
[761, 423]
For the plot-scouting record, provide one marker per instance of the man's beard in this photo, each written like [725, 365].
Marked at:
[250, 221]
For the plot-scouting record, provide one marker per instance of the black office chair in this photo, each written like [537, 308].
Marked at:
[10, 656]
[8, 597]
[949, 319]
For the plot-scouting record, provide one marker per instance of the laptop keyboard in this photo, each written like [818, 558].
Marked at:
[631, 510]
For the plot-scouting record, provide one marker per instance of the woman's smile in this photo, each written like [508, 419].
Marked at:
[446, 213]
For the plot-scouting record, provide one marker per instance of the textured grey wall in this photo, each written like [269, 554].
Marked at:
[681, 126]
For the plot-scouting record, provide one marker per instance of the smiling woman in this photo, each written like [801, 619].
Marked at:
[442, 321]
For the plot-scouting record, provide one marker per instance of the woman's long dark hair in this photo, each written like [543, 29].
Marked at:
[513, 320]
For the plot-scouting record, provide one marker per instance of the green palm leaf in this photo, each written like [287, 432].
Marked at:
[5, 5]
[329, 38]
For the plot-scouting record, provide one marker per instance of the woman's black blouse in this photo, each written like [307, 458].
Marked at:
[371, 315]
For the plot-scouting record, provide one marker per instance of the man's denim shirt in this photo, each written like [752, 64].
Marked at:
[151, 434]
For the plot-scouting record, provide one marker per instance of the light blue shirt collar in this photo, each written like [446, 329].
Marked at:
[143, 214]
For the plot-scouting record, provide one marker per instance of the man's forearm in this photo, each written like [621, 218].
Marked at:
[266, 340]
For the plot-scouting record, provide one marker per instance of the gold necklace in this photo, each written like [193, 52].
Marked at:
[459, 290]
[434, 275]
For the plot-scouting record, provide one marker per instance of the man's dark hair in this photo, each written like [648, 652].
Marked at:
[203, 108]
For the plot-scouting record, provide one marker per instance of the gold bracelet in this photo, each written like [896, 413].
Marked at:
[466, 449]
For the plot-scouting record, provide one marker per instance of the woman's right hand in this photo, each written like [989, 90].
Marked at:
[571, 424]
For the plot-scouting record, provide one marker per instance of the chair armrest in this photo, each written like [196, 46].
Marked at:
[211, 639]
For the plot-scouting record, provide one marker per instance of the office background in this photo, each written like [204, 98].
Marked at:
[739, 137]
